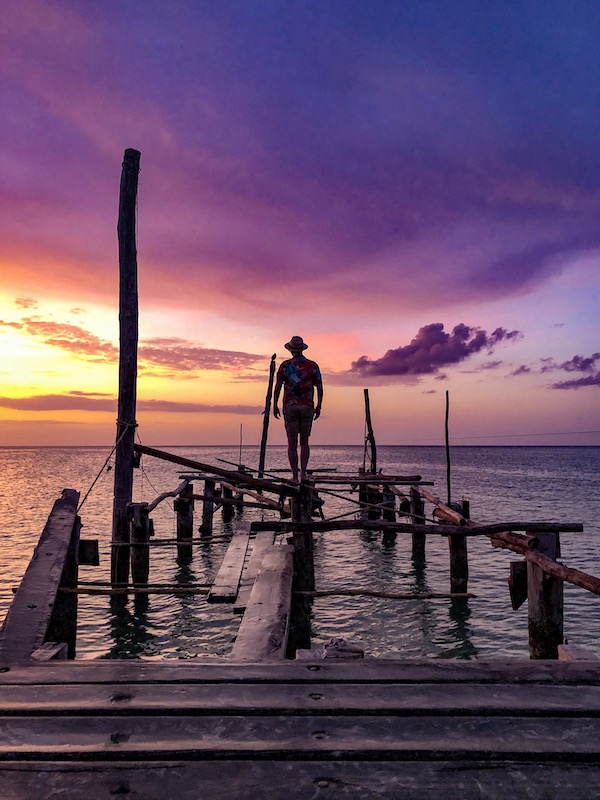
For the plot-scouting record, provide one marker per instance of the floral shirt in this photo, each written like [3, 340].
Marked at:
[299, 377]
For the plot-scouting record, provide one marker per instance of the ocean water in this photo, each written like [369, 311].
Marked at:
[557, 484]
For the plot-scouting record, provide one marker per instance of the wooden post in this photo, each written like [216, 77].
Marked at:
[228, 507]
[208, 508]
[140, 535]
[304, 572]
[63, 622]
[459, 562]
[266, 417]
[545, 602]
[417, 510]
[128, 330]
[184, 508]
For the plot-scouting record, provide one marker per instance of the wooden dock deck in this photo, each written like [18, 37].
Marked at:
[366, 729]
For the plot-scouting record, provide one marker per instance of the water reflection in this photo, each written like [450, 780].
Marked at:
[460, 630]
[129, 628]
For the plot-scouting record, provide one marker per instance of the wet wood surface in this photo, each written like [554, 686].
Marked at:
[30, 613]
[378, 728]
[227, 580]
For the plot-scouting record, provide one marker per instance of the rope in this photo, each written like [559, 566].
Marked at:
[126, 425]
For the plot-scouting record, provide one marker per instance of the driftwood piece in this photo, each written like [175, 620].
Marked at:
[518, 544]
[441, 509]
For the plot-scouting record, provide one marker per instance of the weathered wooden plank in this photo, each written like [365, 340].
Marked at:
[262, 543]
[227, 580]
[317, 699]
[299, 780]
[30, 613]
[270, 736]
[265, 625]
[366, 670]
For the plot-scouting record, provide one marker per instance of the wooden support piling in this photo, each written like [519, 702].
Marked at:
[228, 506]
[304, 571]
[128, 332]
[184, 508]
[545, 602]
[140, 552]
[208, 508]
[417, 511]
[459, 563]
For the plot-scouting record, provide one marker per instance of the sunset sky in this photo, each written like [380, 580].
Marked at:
[413, 186]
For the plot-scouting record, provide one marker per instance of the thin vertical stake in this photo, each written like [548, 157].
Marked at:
[448, 448]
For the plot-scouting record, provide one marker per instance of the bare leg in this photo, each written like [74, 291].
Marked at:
[293, 455]
[304, 455]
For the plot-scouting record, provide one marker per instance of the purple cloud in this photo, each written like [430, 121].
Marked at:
[578, 383]
[433, 348]
[522, 370]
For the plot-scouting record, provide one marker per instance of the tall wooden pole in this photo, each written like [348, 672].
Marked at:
[128, 333]
[265, 430]
[449, 498]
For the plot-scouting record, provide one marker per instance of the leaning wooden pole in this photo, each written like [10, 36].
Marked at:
[128, 337]
[267, 414]
[370, 435]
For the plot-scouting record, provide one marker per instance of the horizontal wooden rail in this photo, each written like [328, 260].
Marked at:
[318, 526]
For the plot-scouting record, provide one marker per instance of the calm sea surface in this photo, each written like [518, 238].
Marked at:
[559, 484]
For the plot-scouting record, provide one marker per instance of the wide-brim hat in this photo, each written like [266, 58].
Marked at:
[296, 343]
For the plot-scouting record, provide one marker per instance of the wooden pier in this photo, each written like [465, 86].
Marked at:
[283, 717]
[275, 721]
[374, 728]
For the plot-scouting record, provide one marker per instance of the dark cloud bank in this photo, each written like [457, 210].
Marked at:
[431, 349]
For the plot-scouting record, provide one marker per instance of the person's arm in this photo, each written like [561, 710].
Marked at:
[319, 387]
[276, 394]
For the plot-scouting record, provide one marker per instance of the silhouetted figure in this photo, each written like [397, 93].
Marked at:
[299, 377]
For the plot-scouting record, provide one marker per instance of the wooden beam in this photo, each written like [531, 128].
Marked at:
[233, 476]
[264, 630]
[30, 613]
[227, 580]
[262, 544]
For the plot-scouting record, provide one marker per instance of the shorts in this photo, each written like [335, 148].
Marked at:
[298, 420]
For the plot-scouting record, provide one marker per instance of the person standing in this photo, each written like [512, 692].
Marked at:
[299, 377]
